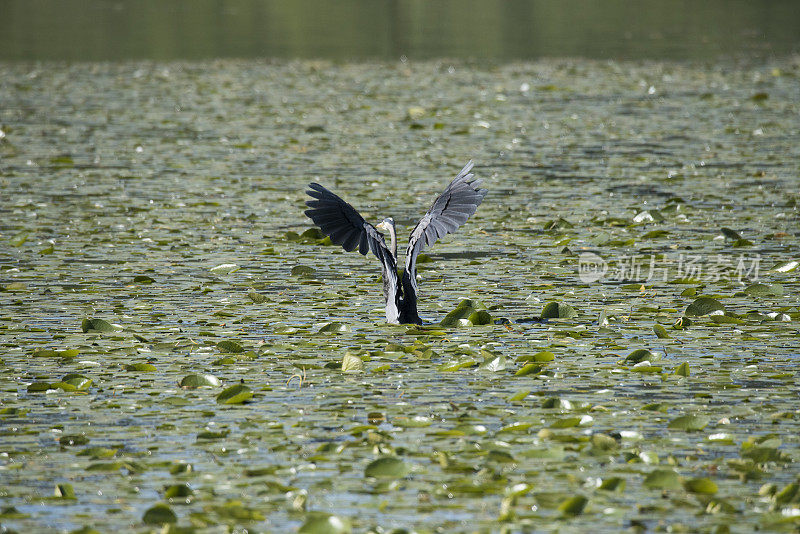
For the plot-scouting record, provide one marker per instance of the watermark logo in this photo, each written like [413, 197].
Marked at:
[591, 267]
[641, 268]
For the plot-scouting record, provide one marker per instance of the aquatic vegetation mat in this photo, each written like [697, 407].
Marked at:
[610, 343]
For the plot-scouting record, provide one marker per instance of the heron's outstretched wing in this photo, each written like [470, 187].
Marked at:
[346, 227]
[449, 211]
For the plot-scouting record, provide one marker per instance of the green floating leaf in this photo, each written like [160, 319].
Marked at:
[517, 427]
[38, 387]
[464, 310]
[256, 297]
[732, 235]
[72, 440]
[160, 514]
[700, 485]
[502, 457]
[319, 523]
[225, 268]
[74, 382]
[566, 422]
[480, 317]
[19, 239]
[230, 346]
[334, 328]
[520, 395]
[15, 286]
[660, 331]
[10, 512]
[64, 491]
[765, 290]
[556, 224]
[725, 319]
[665, 479]
[528, 369]
[99, 325]
[786, 266]
[787, 494]
[655, 234]
[765, 454]
[418, 421]
[199, 381]
[352, 363]
[603, 442]
[540, 357]
[177, 491]
[49, 353]
[613, 484]
[682, 369]
[209, 435]
[387, 467]
[689, 423]
[641, 355]
[303, 271]
[704, 306]
[493, 362]
[573, 505]
[141, 367]
[235, 395]
[143, 279]
[558, 310]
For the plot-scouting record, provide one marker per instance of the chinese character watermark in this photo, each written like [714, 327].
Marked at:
[649, 268]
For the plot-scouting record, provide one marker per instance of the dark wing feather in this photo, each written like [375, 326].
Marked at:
[345, 226]
[449, 211]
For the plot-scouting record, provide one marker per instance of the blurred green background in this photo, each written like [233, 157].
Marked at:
[352, 29]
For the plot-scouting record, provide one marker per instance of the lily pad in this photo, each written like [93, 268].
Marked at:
[682, 369]
[199, 381]
[573, 505]
[225, 268]
[700, 485]
[664, 479]
[387, 467]
[320, 523]
[235, 395]
[141, 367]
[641, 355]
[74, 382]
[558, 310]
[704, 306]
[304, 271]
[352, 363]
[689, 423]
[160, 514]
[765, 290]
[480, 317]
[464, 310]
[99, 325]
[230, 346]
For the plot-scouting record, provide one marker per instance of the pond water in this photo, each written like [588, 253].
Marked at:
[151, 214]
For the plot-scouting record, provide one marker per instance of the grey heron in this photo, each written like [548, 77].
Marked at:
[346, 227]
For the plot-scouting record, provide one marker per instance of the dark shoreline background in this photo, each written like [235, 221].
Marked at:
[99, 30]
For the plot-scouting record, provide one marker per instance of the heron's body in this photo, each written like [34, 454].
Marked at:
[343, 224]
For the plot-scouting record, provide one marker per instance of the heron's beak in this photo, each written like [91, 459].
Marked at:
[382, 226]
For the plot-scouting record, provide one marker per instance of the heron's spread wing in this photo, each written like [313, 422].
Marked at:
[345, 226]
[449, 211]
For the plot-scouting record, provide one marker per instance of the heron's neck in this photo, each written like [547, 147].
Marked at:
[393, 242]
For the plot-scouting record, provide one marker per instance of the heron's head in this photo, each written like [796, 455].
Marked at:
[386, 224]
